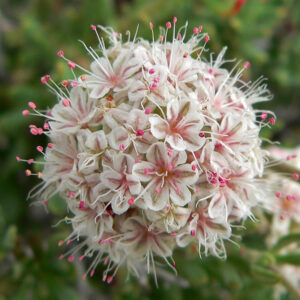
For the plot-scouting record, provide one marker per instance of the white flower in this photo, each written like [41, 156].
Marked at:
[122, 183]
[208, 232]
[132, 131]
[110, 75]
[81, 112]
[168, 176]
[181, 128]
[142, 243]
[172, 218]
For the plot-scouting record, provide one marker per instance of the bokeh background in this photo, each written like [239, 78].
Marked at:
[264, 32]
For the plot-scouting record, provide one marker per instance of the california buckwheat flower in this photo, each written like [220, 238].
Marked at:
[167, 176]
[153, 148]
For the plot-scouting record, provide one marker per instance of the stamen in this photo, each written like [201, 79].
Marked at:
[71, 258]
[66, 102]
[71, 65]
[32, 105]
[131, 201]
[272, 121]
[25, 112]
[65, 83]
[246, 64]
[40, 148]
[74, 84]
[153, 86]
[81, 205]
[60, 53]
[140, 132]
[264, 116]
[44, 79]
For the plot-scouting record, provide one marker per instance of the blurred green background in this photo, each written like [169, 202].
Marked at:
[264, 32]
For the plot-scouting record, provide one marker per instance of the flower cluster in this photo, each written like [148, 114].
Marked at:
[286, 205]
[285, 210]
[153, 148]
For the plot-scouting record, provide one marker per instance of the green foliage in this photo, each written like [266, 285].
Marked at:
[286, 240]
[263, 32]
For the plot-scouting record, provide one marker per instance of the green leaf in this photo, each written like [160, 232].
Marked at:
[291, 258]
[286, 240]
[265, 274]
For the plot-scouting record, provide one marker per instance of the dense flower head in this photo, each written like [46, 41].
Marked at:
[153, 148]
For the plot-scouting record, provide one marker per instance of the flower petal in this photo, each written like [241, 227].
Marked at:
[133, 184]
[144, 142]
[96, 141]
[157, 154]
[99, 90]
[172, 110]
[118, 136]
[180, 196]
[111, 179]
[156, 201]
[123, 163]
[178, 158]
[186, 174]
[159, 127]
[119, 204]
[142, 170]
[137, 119]
[176, 141]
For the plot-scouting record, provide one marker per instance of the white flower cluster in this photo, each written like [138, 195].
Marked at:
[153, 148]
[286, 205]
